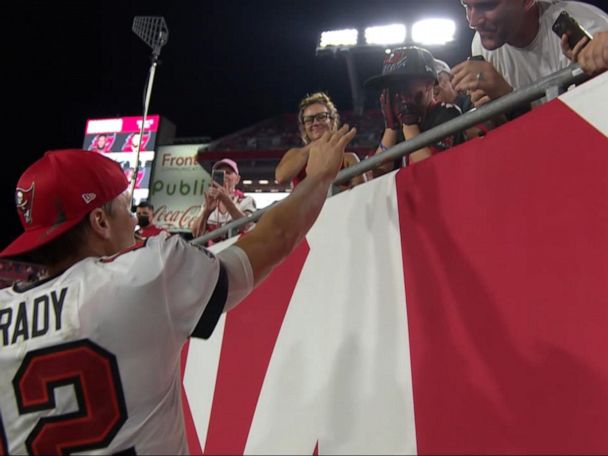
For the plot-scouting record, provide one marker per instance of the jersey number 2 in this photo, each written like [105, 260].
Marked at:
[93, 373]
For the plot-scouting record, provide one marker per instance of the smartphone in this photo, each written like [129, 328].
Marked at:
[217, 175]
[570, 26]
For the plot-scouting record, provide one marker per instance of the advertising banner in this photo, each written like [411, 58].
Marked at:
[178, 186]
[118, 137]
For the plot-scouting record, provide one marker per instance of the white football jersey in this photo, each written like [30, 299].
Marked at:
[90, 360]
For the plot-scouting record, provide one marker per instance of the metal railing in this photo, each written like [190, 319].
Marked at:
[550, 87]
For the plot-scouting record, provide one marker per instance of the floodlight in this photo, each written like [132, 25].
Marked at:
[385, 34]
[433, 31]
[346, 37]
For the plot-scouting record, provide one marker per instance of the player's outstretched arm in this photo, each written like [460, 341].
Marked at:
[284, 225]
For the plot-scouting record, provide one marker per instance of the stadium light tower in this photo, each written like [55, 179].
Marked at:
[349, 42]
[433, 31]
[385, 35]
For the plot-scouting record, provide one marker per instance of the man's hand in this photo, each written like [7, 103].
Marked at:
[221, 193]
[386, 103]
[211, 198]
[327, 152]
[591, 55]
[480, 79]
[479, 98]
[572, 53]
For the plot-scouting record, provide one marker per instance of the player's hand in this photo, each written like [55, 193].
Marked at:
[407, 113]
[386, 103]
[592, 57]
[475, 75]
[327, 152]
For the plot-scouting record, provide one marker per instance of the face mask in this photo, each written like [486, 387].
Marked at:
[143, 220]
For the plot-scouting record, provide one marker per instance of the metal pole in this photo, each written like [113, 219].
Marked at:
[234, 225]
[154, 32]
[151, 74]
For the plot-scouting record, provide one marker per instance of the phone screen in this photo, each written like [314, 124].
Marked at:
[568, 25]
[218, 176]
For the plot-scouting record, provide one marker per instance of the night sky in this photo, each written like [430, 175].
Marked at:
[227, 65]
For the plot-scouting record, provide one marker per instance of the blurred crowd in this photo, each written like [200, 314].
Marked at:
[282, 133]
[17, 271]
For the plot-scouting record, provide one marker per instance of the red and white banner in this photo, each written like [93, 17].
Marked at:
[456, 306]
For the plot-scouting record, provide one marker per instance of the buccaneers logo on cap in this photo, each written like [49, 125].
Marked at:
[24, 200]
[394, 60]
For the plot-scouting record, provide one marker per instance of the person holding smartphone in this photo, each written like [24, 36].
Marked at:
[515, 38]
[591, 55]
[223, 201]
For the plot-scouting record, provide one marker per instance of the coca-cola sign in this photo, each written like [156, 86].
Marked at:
[177, 187]
[179, 219]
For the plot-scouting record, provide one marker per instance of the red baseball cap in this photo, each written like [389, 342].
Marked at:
[58, 190]
[227, 162]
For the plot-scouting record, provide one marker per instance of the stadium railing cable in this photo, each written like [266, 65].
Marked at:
[550, 87]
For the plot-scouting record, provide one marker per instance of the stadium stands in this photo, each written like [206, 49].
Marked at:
[258, 148]
[12, 271]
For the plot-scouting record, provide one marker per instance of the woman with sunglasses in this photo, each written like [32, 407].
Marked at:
[317, 115]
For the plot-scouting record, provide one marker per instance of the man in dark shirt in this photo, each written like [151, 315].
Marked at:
[407, 81]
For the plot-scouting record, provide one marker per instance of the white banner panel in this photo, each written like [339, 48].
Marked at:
[500, 344]
[177, 187]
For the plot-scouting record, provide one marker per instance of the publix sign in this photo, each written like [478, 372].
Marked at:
[177, 187]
